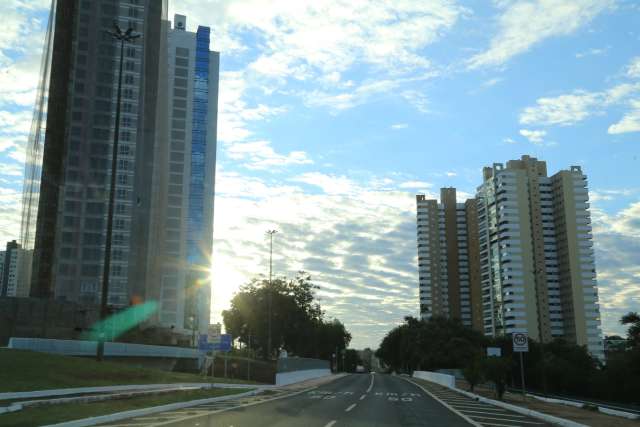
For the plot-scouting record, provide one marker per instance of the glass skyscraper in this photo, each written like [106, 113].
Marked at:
[74, 172]
[191, 108]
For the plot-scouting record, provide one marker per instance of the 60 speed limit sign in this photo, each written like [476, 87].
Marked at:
[520, 341]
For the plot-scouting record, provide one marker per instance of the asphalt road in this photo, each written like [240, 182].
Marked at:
[360, 400]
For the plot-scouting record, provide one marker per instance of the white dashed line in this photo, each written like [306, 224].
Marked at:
[363, 396]
[330, 423]
[350, 408]
[370, 385]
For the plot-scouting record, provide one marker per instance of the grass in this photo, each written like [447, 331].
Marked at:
[44, 415]
[28, 371]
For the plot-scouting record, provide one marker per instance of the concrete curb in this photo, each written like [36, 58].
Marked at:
[148, 411]
[107, 389]
[103, 397]
[515, 408]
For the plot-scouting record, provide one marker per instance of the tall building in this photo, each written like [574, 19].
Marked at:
[536, 254]
[188, 182]
[14, 271]
[446, 260]
[74, 173]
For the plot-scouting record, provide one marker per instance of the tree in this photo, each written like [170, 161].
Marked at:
[433, 344]
[297, 320]
[633, 333]
[473, 372]
[497, 370]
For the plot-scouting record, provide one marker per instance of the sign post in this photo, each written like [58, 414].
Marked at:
[521, 345]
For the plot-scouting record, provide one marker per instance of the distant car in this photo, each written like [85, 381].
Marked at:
[360, 369]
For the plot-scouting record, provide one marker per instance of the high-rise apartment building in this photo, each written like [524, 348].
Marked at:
[536, 255]
[14, 270]
[74, 173]
[188, 180]
[446, 261]
[517, 258]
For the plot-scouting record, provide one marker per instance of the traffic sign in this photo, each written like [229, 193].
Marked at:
[223, 345]
[520, 342]
[494, 351]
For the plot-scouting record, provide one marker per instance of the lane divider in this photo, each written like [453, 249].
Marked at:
[330, 423]
[363, 396]
[350, 407]
[371, 385]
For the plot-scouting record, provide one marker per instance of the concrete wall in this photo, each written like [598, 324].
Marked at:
[40, 317]
[284, 378]
[442, 379]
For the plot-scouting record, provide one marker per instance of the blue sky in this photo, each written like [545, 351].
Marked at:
[334, 115]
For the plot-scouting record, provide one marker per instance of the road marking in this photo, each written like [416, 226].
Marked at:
[330, 423]
[350, 408]
[502, 419]
[370, 385]
[363, 396]
[477, 411]
[443, 403]
[407, 399]
[392, 399]
[499, 425]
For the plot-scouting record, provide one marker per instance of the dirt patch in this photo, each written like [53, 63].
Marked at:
[579, 415]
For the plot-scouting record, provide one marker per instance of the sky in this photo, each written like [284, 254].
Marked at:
[333, 115]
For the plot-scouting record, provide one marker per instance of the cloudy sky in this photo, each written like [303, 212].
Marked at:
[334, 114]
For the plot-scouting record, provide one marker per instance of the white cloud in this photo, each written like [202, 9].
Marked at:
[415, 185]
[510, 141]
[630, 122]
[616, 242]
[591, 52]
[399, 126]
[633, 69]
[524, 24]
[330, 184]
[260, 155]
[534, 136]
[417, 99]
[451, 174]
[569, 109]
[561, 110]
[358, 244]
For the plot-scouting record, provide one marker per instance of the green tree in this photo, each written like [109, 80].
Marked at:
[297, 320]
[473, 372]
[497, 370]
[633, 333]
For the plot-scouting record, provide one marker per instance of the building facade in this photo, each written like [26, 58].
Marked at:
[536, 254]
[75, 170]
[446, 261]
[517, 258]
[188, 190]
[15, 268]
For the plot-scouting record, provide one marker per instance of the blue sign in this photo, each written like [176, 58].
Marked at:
[223, 345]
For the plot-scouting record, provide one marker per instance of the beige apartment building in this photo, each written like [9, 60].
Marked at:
[448, 258]
[525, 259]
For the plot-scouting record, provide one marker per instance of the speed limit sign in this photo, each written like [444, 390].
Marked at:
[520, 342]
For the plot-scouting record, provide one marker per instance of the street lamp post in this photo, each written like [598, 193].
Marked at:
[126, 36]
[270, 233]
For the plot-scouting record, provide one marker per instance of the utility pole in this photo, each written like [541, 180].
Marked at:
[270, 291]
[126, 36]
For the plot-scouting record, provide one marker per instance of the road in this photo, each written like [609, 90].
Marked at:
[359, 400]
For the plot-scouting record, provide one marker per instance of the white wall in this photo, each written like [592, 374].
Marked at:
[285, 378]
[442, 379]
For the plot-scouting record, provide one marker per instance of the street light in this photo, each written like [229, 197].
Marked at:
[270, 233]
[127, 36]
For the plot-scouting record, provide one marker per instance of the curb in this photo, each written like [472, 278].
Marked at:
[106, 389]
[147, 411]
